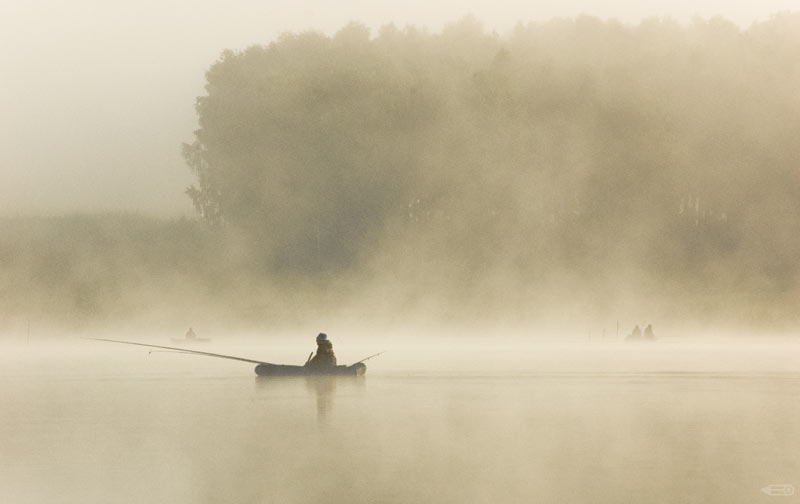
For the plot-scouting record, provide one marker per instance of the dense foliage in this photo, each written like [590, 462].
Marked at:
[576, 169]
[582, 154]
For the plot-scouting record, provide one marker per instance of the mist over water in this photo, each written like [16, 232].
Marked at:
[498, 213]
[680, 422]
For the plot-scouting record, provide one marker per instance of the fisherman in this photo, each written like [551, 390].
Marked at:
[325, 356]
[636, 335]
[190, 334]
[648, 333]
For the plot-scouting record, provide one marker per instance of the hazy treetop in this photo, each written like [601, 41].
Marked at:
[575, 169]
[85, 81]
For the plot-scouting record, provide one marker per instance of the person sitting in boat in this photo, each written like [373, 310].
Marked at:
[648, 333]
[325, 356]
[636, 335]
[190, 334]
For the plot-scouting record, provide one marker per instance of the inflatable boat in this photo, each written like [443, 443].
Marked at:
[266, 369]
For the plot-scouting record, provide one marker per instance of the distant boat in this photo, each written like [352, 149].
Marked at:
[266, 368]
[637, 336]
[190, 337]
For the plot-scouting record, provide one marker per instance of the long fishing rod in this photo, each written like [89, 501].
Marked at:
[262, 368]
[182, 350]
[371, 356]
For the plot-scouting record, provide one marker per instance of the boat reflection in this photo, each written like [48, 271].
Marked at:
[324, 388]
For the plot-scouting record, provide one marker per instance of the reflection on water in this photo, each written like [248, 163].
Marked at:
[571, 427]
[323, 388]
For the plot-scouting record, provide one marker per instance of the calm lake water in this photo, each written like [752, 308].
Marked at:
[94, 422]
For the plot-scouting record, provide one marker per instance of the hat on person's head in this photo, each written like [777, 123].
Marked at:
[322, 336]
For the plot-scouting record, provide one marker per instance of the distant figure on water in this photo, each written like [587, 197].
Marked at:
[189, 337]
[325, 356]
[637, 335]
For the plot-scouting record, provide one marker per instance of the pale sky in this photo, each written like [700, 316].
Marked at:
[96, 96]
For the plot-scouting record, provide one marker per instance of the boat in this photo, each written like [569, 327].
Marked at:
[266, 368]
[190, 337]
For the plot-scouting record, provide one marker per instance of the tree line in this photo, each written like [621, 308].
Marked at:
[581, 154]
[573, 167]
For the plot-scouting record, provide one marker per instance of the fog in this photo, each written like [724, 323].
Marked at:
[97, 95]
[569, 230]
[578, 174]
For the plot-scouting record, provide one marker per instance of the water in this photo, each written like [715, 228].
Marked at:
[576, 423]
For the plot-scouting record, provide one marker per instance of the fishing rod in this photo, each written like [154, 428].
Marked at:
[181, 350]
[262, 368]
[190, 352]
[371, 356]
